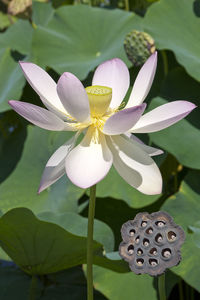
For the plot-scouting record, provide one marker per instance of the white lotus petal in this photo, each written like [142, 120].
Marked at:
[135, 166]
[163, 116]
[133, 137]
[44, 86]
[114, 74]
[143, 81]
[55, 167]
[123, 120]
[38, 116]
[89, 162]
[74, 97]
[150, 150]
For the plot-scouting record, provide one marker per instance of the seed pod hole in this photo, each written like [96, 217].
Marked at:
[144, 224]
[132, 232]
[159, 238]
[166, 253]
[171, 236]
[137, 240]
[140, 261]
[130, 249]
[139, 251]
[146, 242]
[160, 223]
[153, 262]
[153, 251]
[149, 230]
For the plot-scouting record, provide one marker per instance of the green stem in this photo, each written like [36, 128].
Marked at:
[161, 287]
[191, 293]
[33, 288]
[175, 182]
[180, 287]
[127, 5]
[150, 141]
[91, 213]
[187, 291]
[165, 62]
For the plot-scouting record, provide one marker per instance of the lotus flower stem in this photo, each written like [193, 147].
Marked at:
[165, 62]
[127, 5]
[91, 213]
[191, 293]
[180, 286]
[161, 287]
[33, 286]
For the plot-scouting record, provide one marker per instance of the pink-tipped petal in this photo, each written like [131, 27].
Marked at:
[135, 166]
[38, 115]
[89, 162]
[123, 120]
[74, 97]
[143, 81]
[114, 74]
[55, 167]
[163, 116]
[44, 86]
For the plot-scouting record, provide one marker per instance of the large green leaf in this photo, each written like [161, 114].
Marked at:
[40, 247]
[166, 22]
[182, 140]
[77, 225]
[20, 189]
[4, 255]
[12, 137]
[42, 13]
[12, 80]
[114, 186]
[117, 286]
[196, 230]
[78, 38]
[179, 85]
[18, 37]
[185, 208]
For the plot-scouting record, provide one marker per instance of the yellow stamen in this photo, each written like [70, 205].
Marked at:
[99, 99]
[96, 123]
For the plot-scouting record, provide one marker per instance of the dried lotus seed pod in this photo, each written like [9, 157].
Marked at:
[151, 243]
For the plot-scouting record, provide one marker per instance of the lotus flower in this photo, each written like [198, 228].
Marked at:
[108, 126]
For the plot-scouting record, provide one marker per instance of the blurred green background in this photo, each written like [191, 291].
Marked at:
[45, 235]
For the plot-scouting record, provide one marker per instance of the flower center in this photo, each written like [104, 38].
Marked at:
[99, 99]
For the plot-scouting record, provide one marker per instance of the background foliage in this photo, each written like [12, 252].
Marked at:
[44, 236]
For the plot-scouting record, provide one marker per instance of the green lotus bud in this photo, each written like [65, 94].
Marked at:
[138, 46]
